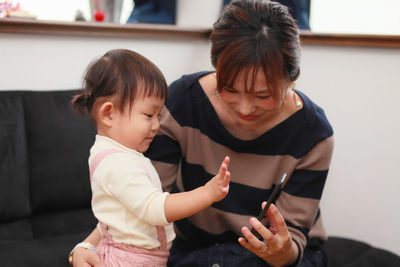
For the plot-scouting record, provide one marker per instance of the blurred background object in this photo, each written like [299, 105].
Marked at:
[106, 10]
[180, 12]
[73, 10]
[13, 9]
[320, 15]
[6, 7]
[196, 13]
[153, 11]
[300, 10]
[79, 16]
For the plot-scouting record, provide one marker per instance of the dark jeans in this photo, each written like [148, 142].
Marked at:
[231, 255]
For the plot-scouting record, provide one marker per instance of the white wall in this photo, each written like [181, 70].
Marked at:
[57, 62]
[360, 91]
[358, 88]
[355, 16]
[66, 10]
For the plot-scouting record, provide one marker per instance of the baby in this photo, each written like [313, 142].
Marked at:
[124, 93]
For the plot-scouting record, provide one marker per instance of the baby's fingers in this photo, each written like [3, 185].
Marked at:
[226, 179]
[224, 166]
[226, 161]
[225, 175]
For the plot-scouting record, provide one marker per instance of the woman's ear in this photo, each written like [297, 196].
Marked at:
[106, 113]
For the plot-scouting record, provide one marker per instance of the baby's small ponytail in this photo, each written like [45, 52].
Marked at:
[81, 103]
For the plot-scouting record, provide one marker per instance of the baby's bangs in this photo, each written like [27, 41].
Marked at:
[154, 84]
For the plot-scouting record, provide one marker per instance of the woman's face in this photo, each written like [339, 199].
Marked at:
[250, 107]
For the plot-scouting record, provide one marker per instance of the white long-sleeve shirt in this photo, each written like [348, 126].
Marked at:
[127, 196]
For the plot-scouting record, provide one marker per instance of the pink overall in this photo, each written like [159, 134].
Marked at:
[121, 255]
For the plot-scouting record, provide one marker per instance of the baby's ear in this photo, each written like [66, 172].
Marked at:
[106, 113]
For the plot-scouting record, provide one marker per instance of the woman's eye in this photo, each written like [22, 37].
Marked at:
[263, 96]
[229, 90]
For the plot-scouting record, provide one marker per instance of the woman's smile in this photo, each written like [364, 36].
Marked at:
[246, 117]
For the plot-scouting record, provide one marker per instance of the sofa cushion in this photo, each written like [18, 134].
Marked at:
[16, 230]
[14, 172]
[50, 251]
[58, 150]
[44, 174]
[63, 222]
[345, 252]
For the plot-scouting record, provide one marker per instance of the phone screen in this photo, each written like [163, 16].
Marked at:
[270, 200]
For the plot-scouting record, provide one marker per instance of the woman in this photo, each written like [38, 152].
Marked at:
[246, 109]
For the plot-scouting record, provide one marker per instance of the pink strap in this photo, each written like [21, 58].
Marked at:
[104, 232]
[99, 157]
[162, 236]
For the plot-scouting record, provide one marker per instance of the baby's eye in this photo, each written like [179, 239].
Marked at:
[149, 115]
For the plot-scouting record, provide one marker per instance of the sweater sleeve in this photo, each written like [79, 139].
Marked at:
[299, 202]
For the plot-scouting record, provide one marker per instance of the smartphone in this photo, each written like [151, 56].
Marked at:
[270, 200]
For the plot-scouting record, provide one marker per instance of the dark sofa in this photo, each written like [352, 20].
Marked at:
[45, 192]
[44, 185]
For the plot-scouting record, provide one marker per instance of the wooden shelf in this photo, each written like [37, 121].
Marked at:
[389, 41]
[100, 29]
[93, 29]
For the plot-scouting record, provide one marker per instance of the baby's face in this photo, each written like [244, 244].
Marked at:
[136, 127]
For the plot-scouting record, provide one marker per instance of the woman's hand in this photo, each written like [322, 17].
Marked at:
[82, 257]
[278, 248]
[85, 258]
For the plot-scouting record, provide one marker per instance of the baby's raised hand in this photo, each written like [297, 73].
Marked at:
[218, 186]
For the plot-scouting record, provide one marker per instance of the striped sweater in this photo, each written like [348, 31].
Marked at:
[192, 142]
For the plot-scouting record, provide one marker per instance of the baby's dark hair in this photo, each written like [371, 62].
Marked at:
[123, 75]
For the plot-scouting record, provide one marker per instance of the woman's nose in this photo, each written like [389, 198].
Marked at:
[246, 106]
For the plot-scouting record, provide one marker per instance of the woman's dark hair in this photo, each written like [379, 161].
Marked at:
[123, 75]
[254, 34]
